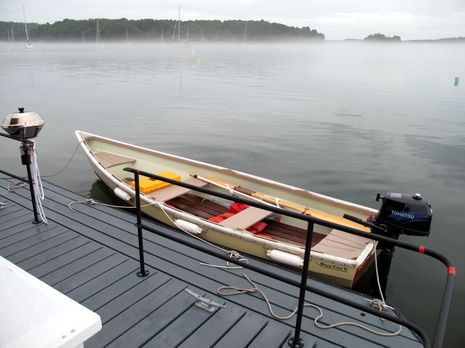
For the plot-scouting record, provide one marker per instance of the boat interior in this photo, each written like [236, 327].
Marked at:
[261, 223]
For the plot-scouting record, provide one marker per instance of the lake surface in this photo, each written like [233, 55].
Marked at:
[345, 119]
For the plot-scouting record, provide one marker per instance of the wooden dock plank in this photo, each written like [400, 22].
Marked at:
[173, 309]
[53, 252]
[135, 314]
[89, 273]
[114, 292]
[9, 208]
[273, 335]
[243, 332]
[181, 328]
[37, 249]
[124, 301]
[28, 237]
[103, 281]
[18, 218]
[63, 260]
[214, 328]
[67, 270]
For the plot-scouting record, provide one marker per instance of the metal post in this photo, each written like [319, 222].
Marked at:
[384, 267]
[26, 148]
[297, 341]
[143, 272]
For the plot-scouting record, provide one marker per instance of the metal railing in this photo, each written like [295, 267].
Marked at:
[296, 340]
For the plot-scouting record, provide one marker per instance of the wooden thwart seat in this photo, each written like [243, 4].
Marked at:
[342, 244]
[246, 218]
[174, 191]
[109, 160]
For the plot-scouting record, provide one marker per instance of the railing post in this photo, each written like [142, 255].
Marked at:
[143, 272]
[297, 341]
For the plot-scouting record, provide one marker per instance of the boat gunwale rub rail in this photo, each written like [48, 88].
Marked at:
[295, 341]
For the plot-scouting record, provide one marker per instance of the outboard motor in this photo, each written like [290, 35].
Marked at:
[399, 214]
[404, 214]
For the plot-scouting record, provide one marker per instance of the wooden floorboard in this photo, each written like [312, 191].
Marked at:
[213, 329]
[103, 280]
[180, 329]
[38, 249]
[243, 332]
[273, 335]
[91, 255]
[174, 304]
[139, 315]
[47, 254]
[115, 292]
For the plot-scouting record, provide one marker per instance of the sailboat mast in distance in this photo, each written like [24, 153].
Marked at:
[97, 33]
[28, 43]
[179, 23]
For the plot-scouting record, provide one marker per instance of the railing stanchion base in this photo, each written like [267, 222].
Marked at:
[292, 342]
[143, 273]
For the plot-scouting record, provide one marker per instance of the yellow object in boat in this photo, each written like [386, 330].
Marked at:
[149, 185]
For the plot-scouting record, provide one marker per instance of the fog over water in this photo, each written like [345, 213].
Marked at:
[346, 119]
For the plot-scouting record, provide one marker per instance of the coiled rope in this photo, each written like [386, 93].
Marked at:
[14, 186]
[233, 290]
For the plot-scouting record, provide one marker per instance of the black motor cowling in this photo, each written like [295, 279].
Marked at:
[404, 214]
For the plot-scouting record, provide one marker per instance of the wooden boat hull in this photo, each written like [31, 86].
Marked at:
[332, 267]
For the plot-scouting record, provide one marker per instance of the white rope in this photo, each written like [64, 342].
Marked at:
[233, 254]
[37, 184]
[67, 164]
[90, 201]
[233, 290]
[378, 303]
[14, 186]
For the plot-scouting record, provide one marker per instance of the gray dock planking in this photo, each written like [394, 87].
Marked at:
[90, 254]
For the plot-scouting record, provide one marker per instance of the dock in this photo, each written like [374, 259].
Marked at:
[91, 255]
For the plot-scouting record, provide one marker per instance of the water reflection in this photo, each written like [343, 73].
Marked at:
[343, 119]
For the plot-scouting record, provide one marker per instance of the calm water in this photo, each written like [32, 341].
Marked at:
[344, 119]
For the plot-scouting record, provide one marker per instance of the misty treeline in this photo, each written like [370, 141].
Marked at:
[155, 30]
[382, 37]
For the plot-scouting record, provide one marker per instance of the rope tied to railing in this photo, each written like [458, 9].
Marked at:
[232, 254]
[230, 290]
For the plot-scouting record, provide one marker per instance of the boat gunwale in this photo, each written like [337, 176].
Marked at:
[237, 233]
[306, 194]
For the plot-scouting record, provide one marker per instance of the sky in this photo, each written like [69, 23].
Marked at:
[337, 19]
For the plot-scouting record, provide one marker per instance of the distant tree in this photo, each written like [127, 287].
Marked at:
[381, 37]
